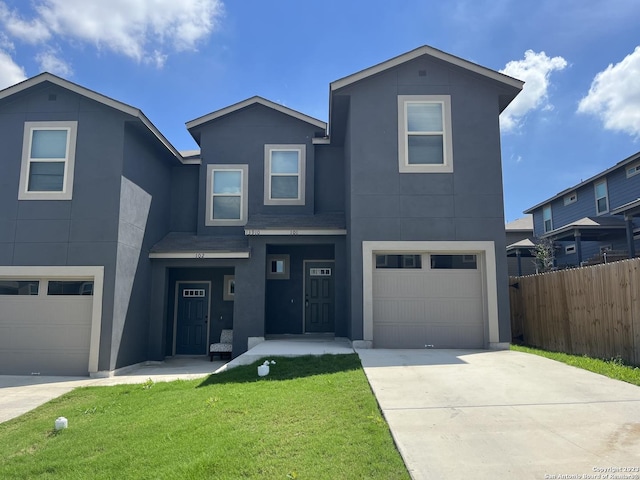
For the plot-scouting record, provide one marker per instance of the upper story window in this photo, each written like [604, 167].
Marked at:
[284, 174]
[633, 170]
[546, 218]
[226, 195]
[48, 159]
[424, 134]
[602, 198]
[571, 198]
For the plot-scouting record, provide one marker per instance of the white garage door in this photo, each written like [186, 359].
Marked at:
[45, 326]
[423, 300]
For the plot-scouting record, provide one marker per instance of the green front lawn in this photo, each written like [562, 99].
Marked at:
[613, 368]
[311, 418]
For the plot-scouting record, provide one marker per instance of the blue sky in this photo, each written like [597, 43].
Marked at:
[177, 60]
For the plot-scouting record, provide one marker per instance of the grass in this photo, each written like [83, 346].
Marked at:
[311, 418]
[613, 368]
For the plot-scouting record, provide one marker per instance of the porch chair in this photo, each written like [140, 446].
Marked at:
[224, 346]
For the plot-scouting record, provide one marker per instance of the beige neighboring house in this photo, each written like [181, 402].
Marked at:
[520, 254]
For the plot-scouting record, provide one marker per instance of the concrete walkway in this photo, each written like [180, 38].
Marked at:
[460, 414]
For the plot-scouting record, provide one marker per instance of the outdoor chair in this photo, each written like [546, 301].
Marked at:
[224, 346]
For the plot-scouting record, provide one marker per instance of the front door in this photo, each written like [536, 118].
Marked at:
[318, 297]
[192, 317]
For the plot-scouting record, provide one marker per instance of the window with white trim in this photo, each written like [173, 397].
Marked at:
[602, 197]
[278, 267]
[546, 218]
[571, 198]
[226, 195]
[633, 170]
[569, 249]
[229, 291]
[48, 160]
[284, 167]
[424, 134]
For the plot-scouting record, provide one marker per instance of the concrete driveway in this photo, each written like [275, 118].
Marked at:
[461, 414]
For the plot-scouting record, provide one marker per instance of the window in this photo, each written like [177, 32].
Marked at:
[571, 198]
[284, 167]
[602, 199]
[546, 218]
[454, 262]
[229, 291]
[399, 261]
[278, 267]
[570, 248]
[226, 195]
[19, 287]
[48, 159]
[70, 287]
[424, 134]
[633, 170]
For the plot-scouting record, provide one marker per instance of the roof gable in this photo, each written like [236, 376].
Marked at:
[98, 97]
[253, 101]
[433, 52]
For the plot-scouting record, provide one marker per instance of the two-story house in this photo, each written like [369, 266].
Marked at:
[595, 220]
[385, 226]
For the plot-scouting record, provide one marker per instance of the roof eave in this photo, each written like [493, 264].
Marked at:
[98, 97]
[433, 52]
[251, 101]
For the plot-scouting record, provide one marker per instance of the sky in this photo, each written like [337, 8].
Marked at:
[176, 60]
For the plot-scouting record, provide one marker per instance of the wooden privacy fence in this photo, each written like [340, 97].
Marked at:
[592, 311]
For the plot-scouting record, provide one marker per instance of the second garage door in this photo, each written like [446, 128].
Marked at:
[426, 300]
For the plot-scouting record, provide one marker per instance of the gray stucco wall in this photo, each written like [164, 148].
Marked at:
[239, 138]
[387, 205]
[80, 231]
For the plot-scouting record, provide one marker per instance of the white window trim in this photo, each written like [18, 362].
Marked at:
[227, 294]
[544, 229]
[69, 161]
[274, 275]
[571, 198]
[606, 196]
[635, 169]
[209, 221]
[570, 249]
[403, 163]
[302, 162]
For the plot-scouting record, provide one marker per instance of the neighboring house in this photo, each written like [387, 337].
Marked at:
[593, 221]
[520, 247]
[385, 226]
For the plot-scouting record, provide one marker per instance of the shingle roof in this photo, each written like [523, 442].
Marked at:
[189, 242]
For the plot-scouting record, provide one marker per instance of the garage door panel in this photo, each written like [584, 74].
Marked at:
[428, 306]
[50, 335]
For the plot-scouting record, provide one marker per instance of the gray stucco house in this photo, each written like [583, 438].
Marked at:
[385, 226]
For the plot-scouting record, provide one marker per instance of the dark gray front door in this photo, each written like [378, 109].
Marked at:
[192, 317]
[319, 298]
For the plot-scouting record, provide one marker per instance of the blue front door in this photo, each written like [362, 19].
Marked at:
[192, 317]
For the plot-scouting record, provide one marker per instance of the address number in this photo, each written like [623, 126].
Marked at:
[253, 232]
[199, 255]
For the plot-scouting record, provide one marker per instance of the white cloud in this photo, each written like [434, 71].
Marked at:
[10, 72]
[614, 96]
[142, 30]
[534, 70]
[50, 62]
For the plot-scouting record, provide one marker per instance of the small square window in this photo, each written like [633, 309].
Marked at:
[48, 161]
[278, 267]
[571, 198]
[633, 170]
[569, 249]
[229, 291]
[284, 167]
